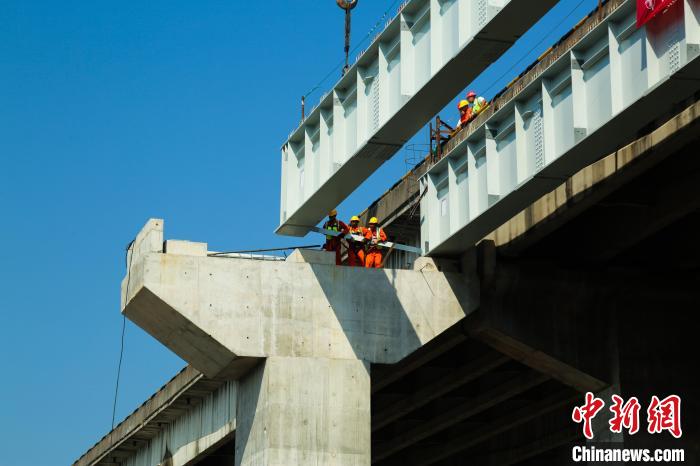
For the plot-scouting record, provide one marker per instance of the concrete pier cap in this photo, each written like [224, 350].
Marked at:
[215, 311]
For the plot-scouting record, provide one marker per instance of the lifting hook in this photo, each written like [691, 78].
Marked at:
[348, 6]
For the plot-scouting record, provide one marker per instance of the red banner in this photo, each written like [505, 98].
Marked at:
[647, 9]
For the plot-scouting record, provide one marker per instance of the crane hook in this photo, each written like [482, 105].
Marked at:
[348, 6]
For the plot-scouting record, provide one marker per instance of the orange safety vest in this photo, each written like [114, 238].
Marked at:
[375, 238]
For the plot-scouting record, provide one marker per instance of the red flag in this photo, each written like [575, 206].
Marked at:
[647, 9]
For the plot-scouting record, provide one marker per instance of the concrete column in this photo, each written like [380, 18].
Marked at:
[304, 411]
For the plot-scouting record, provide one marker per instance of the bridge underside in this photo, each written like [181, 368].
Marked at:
[599, 276]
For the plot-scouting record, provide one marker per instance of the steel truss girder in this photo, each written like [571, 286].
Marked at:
[593, 99]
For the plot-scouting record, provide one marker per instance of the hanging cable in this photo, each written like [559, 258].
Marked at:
[362, 41]
[347, 6]
[127, 259]
[249, 251]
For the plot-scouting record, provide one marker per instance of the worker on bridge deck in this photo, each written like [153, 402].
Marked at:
[476, 105]
[333, 243]
[463, 107]
[374, 236]
[356, 249]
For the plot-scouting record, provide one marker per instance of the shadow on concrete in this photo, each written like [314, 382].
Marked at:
[369, 311]
[557, 318]
[249, 388]
[386, 314]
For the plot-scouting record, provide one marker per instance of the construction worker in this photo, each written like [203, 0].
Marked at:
[476, 105]
[463, 107]
[374, 236]
[333, 242]
[356, 249]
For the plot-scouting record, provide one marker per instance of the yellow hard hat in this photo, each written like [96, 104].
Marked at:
[355, 218]
[333, 213]
[462, 104]
[373, 221]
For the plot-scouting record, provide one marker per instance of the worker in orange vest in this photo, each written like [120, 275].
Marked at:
[463, 107]
[374, 236]
[333, 242]
[356, 249]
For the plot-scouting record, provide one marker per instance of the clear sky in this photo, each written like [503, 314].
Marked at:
[114, 112]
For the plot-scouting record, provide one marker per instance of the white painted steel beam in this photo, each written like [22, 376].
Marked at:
[426, 55]
[593, 99]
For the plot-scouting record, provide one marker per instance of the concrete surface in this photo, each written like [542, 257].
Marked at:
[317, 325]
[304, 411]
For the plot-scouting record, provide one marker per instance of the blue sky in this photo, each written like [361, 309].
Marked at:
[114, 112]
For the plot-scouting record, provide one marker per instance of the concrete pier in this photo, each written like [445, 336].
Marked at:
[299, 336]
[299, 410]
[215, 312]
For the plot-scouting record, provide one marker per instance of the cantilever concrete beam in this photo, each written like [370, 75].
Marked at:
[426, 55]
[214, 311]
[315, 326]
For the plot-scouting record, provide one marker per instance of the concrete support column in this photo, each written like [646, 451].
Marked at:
[304, 411]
